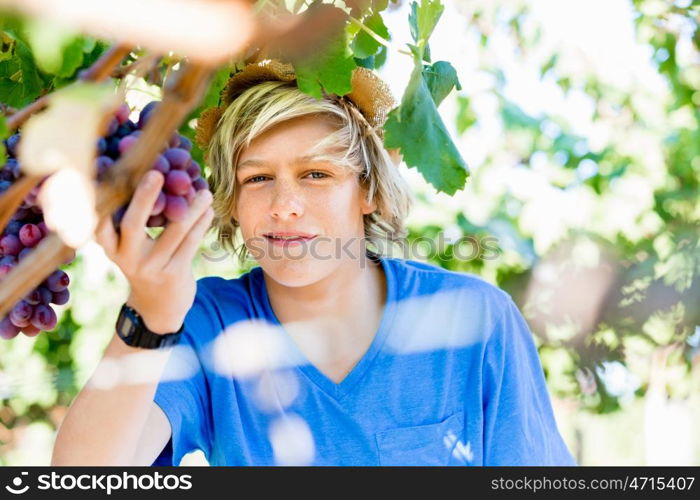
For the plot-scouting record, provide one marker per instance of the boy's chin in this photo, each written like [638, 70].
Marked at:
[296, 273]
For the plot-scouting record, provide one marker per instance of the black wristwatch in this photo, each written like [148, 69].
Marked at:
[132, 330]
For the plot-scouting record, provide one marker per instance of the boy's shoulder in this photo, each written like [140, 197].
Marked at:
[426, 278]
[217, 292]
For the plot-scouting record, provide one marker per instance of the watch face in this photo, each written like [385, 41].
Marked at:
[128, 325]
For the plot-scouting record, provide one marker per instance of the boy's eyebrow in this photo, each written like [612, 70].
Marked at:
[254, 162]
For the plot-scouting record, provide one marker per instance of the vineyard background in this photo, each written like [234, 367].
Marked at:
[579, 122]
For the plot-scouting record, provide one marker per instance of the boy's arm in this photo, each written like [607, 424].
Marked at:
[116, 424]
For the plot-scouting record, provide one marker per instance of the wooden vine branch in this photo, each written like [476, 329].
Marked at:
[99, 71]
[121, 180]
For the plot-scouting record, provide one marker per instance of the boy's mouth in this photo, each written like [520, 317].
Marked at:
[288, 238]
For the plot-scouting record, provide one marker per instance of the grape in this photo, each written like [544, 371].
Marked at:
[44, 318]
[103, 163]
[190, 194]
[122, 113]
[60, 298]
[175, 208]
[30, 330]
[11, 144]
[10, 245]
[177, 182]
[10, 171]
[24, 253]
[13, 227]
[185, 143]
[7, 329]
[161, 165]
[46, 295]
[146, 113]
[4, 185]
[200, 184]
[113, 126]
[8, 260]
[179, 159]
[156, 221]
[174, 140]
[30, 235]
[101, 146]
[159, 205]
[194, 171]
[5, 269]
[57, 281]
[126, 142]
[21, 314]
[34, 297]
[21, 213]
[113, 147]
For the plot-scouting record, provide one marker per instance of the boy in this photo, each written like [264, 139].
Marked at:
[328, 353]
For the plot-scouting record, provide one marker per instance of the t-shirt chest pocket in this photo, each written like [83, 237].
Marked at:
[431, 444]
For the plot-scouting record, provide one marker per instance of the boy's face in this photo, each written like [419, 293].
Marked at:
[282, 189]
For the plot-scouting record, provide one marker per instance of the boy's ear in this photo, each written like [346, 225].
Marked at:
[368, 206]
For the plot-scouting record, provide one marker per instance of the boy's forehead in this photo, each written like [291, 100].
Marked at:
[304, 159]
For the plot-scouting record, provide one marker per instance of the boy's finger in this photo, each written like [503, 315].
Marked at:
[132, 227]
[182, 258]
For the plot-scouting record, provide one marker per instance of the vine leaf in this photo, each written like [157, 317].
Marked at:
[364, 45]
[441, 78]
[330, 70]
[423, 19]
[417, 129]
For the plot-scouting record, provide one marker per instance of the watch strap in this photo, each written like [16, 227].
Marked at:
[134, 332]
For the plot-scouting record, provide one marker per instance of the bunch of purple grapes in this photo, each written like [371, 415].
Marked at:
[182, 174]
[26, 228]
[24, 231]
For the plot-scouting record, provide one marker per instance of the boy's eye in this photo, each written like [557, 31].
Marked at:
[259, 178]
[319, 173]
[252, 179]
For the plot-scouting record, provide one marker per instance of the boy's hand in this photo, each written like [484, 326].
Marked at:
[159, 270]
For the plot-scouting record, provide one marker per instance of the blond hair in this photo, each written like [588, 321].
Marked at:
[361, 150]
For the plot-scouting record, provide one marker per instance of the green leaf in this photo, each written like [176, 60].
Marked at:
[31, 83]
[329, 70]
[441, 78]
[551, 63]
[364, 45]
[72, 58]
[417, 129]
[48, 40]
[465, 115]
[515, 118]
[360, 7]
[380, 58]
[423, 19]
[379, 5]
[7, 43]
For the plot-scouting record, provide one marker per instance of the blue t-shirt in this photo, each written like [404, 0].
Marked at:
[452, 377]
